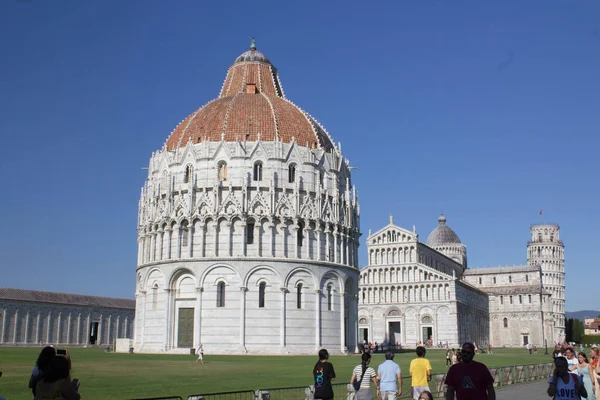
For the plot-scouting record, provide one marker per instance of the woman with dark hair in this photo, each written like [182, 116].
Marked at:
[323, 373]
[56, 383]
[426, 395]
[40, 367]
[363, 375]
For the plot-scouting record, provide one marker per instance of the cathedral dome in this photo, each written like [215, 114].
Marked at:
[251, 107]
[442, 234]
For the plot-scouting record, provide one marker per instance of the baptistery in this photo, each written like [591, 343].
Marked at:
[248, 228]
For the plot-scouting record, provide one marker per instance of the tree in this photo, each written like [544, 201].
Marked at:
[569, 330]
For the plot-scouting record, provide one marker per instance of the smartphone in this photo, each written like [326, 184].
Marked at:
[61, 352]
[75, 383]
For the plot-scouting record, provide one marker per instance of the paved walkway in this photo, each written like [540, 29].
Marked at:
[524, 391]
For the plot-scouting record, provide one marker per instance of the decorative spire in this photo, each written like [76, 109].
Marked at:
[391, 219]
[252, 44]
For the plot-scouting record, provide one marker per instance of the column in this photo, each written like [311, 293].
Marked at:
[177, 234]
[118, 326]
[108, 329]
[244, 244]
[48, 328]
[216, 239]
[326, 232]
[167, 243]
[88, 329]
[230, 239]
[259, 239]
[243, 316]
[68, 329]
[152, 246]
[282, 318]
[198, 318]
[99, 338]
[161, 244]
[306, 233]
[190, 253]
[78, 341]
[336, 242]
[318, 318]
[294, 236]
[15, 332]
[3, 326]
[38, 326]
[318, 252]
[272, 239]
[140, 251]
[58, 327]
[343, 322]
[167, 319]
[202, 239]
[25, 339]
[126, 333]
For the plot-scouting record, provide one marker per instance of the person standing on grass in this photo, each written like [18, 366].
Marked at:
[323, 373]
[200, 353]
[448, 358]
[470, 380]
[364, 374]
[390, 378]
[489, 348]
[420, 373]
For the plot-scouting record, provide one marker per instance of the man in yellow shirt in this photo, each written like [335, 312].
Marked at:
[420, 373]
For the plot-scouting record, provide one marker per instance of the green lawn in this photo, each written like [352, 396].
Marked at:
[121, 376]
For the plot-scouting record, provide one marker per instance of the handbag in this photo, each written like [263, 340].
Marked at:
[356, 384]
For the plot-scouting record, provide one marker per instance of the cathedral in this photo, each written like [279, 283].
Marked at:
[248, 228]
[413, 292]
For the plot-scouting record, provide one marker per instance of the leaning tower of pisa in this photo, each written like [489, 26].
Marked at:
[547, 250]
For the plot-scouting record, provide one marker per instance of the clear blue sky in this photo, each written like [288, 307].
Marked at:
[487, 112]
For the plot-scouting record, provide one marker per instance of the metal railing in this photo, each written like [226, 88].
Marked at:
[237, 395]
[503, 376]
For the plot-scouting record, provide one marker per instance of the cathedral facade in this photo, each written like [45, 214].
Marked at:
[413, 292]
[248, 228]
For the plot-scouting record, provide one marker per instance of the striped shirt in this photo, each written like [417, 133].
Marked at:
[369, 374]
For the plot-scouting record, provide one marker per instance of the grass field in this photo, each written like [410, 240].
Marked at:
[122, 376]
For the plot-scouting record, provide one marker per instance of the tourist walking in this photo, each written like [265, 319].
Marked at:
[470, 380]
[363, 375]
[200, 353]
[323, 373]
[584, 371]
[420, 373]
[454, 357]
[390, 378]
[563, 385]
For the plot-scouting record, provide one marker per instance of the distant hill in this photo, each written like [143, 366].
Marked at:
[583, 314]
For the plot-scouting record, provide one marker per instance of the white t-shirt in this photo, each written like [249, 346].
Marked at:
[369, 374]
[573, 362]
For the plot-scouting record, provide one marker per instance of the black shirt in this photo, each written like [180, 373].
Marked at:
[323, 373]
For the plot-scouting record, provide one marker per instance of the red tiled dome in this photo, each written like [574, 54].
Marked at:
[251, 103]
